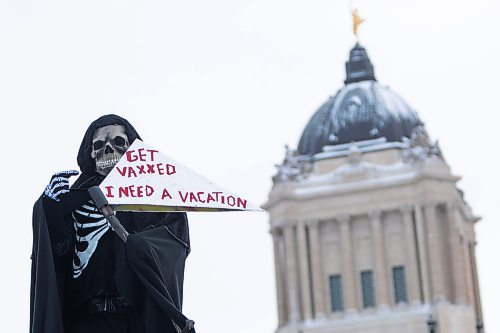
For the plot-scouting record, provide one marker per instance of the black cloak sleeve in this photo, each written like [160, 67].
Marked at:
[151, 275]
[46, 280]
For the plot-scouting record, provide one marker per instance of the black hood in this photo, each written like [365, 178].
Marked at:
[85, 161]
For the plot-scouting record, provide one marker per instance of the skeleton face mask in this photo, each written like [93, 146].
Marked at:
[108, 146]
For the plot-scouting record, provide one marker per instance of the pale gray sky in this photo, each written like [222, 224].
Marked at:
[221, 86]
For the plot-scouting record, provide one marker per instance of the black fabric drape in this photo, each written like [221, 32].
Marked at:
[46, 285]
[160, 304]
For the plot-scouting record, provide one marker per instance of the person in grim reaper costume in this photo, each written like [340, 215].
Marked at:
[84, 278]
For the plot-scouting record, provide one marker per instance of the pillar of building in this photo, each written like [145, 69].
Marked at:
[457, 258]
[468, 272]
[348, 266]
[291, 274]
[305, 289]
[477, 296]
[436, 253]
[279, 265]
[411, 256]
[317, 270]
[381, 279]
[422, 254]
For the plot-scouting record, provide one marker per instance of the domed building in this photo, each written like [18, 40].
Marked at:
[362, 110]
[371, 233]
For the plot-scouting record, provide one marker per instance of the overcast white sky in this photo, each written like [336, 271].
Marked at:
[221, 86]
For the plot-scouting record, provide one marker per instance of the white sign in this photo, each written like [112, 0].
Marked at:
[146, 180]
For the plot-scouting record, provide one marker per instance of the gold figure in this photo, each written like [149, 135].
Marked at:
[357, 20]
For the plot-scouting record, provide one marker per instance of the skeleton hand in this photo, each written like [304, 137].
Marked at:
[59, 184]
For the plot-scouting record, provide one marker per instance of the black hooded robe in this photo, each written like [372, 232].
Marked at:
[149, 271]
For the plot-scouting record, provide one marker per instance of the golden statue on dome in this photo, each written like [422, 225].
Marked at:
[357, 20]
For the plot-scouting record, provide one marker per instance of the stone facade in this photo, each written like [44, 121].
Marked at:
[361, 216]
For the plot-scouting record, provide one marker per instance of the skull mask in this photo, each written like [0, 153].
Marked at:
[108, 146]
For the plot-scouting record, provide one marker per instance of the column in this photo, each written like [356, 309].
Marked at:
[279, 266]
[291, 274]
[348, 268]
[457, 258]
[317, 270]
[422, 254]
[381, 280]
[435, 252]
[477, 296]
[468, 271]
[411, 256]
[305, 284]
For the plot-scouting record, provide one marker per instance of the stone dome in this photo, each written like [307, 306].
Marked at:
[362, 110]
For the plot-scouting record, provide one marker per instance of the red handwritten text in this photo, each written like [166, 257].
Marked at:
[215, 197]
[141, 154]
[142, 169]
[166, 194]
[131, 191]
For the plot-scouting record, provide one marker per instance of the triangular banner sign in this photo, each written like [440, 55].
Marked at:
[146, 180]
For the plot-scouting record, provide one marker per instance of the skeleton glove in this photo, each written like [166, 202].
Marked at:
[59, 184]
